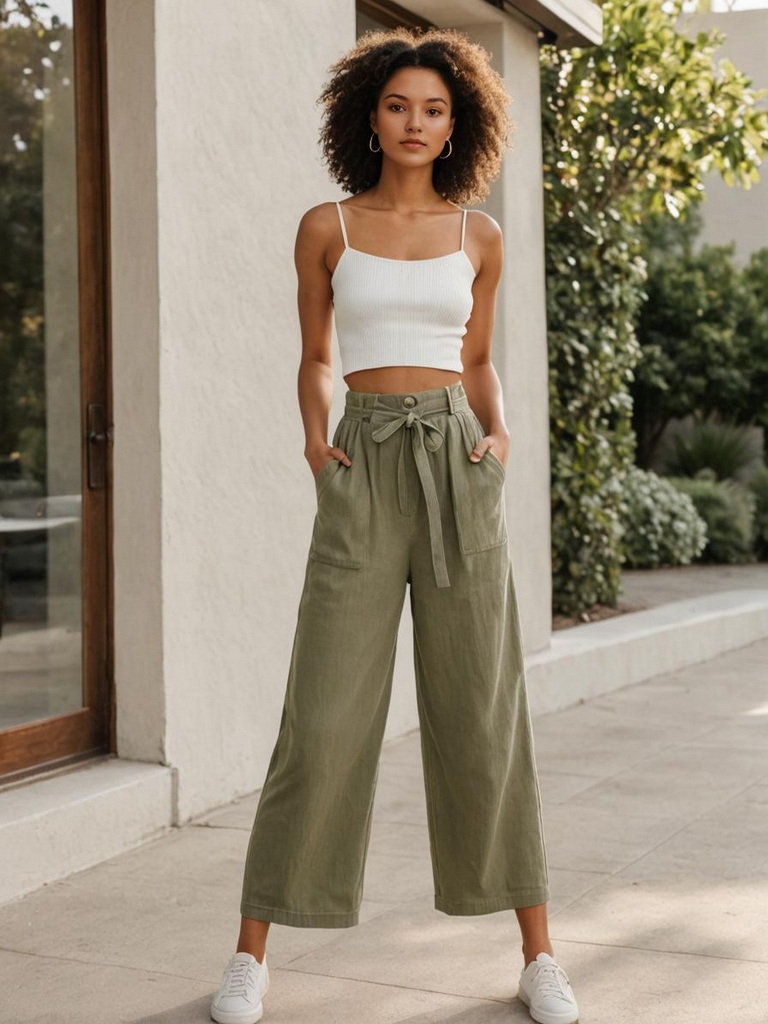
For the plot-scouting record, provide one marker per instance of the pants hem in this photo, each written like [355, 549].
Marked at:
[300, 919]
[521, 898]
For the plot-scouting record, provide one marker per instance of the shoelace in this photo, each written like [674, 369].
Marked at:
[239, 978]
[552, 980]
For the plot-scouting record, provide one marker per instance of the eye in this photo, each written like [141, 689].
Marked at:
[436, 110]
[392, 106]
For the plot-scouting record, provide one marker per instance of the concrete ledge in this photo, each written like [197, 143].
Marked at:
[52, 827]
[586, 661]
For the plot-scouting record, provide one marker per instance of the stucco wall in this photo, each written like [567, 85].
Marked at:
[137, 485]
[520, 335]
[214, 158]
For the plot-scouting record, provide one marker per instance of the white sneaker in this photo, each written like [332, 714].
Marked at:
[238, 997]
[546, 991]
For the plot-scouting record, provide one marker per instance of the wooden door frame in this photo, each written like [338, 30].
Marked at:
[59, 742]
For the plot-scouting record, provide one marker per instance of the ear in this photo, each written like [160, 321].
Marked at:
[372, 121]
[453, 125]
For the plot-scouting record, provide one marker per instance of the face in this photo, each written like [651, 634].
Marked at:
[413, 116]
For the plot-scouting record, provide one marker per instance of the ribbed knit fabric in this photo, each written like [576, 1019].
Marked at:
[401, 312]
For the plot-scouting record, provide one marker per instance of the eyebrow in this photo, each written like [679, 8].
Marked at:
[399, 96]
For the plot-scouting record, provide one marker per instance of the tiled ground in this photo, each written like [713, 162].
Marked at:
[656, 820]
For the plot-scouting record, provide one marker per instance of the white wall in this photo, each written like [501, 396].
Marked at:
[520, 337]
[137, 485]
[214, 158]
[213, 498]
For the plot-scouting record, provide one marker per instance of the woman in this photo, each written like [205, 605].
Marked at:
[411, 491]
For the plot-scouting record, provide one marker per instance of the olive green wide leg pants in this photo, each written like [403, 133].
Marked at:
[412, 509]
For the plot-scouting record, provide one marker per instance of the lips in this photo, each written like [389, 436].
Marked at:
[412, 142]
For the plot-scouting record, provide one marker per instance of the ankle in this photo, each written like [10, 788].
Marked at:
[531, 952]
[258, 953]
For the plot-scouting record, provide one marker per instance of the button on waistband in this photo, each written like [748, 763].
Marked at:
[409, 400]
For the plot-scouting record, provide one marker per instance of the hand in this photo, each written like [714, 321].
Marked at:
[319, 458]
[499, 442]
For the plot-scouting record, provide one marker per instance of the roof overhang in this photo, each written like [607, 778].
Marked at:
[566, 23]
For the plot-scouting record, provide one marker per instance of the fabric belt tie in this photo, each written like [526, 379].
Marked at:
[425, 436]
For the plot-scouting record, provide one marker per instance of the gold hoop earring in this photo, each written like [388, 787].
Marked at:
[371, 147]
[450, 150]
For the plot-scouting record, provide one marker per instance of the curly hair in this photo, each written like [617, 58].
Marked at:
[482, 129]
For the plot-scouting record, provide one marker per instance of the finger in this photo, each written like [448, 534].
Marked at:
[479, 451]
[342, 456]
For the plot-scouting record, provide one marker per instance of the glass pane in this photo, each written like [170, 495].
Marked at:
[40, 472]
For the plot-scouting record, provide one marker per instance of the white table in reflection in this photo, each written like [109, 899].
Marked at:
[10, 524]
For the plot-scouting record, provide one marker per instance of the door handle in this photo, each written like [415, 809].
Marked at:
[99, 434]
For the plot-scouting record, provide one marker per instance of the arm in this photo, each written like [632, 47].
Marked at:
[315, 301]
[480, 379]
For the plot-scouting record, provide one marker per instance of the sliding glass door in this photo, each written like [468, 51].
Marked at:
[54, 410]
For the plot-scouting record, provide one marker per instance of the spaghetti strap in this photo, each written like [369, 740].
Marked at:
[343, 227]
[463, 226]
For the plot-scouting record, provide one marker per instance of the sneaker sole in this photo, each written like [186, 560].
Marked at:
[546, 1018]
[227, 1017]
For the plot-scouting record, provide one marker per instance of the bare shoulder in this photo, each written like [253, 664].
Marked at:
[317, 228]
[317, 222]
[485, 243]
[485, 230]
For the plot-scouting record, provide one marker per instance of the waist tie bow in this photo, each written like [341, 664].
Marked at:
[425, 436]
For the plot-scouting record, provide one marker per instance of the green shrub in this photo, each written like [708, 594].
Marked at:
[728, 449]
[728, 508]
[660, 524]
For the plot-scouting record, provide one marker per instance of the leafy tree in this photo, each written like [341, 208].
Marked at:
[703, 333]
[630, 127]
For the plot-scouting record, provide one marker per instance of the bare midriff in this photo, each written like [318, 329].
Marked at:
[399, 379]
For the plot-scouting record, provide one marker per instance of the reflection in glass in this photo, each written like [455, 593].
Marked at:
[40, 448]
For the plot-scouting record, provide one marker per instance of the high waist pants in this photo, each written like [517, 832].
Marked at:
[411, 510]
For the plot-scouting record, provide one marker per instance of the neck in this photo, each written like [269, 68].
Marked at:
[405, 189]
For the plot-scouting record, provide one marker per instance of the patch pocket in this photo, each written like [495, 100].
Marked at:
[496, 461]
[478, 492]
[340, 531]
[325, 473]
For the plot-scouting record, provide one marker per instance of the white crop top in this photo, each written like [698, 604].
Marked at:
[392, 312]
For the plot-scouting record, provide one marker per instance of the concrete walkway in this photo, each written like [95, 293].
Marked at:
[656, 820]
[649, 588]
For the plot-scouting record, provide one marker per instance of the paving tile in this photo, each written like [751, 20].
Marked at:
[585, 753]
[400, 794]
[479, 957]
[610, 721]
[416, 946]
[296, 997]
[703, 890]
[745, 730]
[681, 783]
[58, 990]
[557, 787]
[623, 985]
[566, 886]
[238, 814]
[598, 838]
[131, 910]
[404, 750]
[398, 866]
